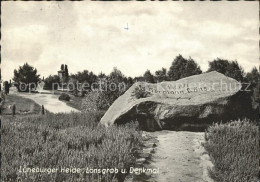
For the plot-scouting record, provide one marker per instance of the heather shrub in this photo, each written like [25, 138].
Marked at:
[140, 92]
[234, 150]
[98, 100]
[93, 101]
[62, 120]
[2, 101]
[66, 141]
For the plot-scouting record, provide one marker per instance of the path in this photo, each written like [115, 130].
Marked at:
[180, 157]
[50, 102]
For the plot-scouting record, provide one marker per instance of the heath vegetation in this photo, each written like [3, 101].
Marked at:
[72, 140]
[234, 150]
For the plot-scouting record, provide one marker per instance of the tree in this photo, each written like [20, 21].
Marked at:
[161, 75]
[52, 82]
[229, 68]
[6, 87]
[110, 88]
[182, 68]
[0, 79]
[73, 86]
[62, 67]
[130, 81]
[26, 74]
[139, 79]
[116, 79]
[85, 77]
[92, 78]
[85, 80]
[116, 75]
[148, 77]
[253, 78]
[66, 73]
[81, 76]
[102, 75]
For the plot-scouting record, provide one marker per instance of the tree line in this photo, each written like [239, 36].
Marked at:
[180, 68]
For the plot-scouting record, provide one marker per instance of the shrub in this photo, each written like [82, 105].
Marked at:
[2, 101]
[140, 92]
[97, 100]
[66, 140]
[64, 97]
[234, 151]
[92, 101]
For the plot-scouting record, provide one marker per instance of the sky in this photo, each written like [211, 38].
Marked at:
[132, 36]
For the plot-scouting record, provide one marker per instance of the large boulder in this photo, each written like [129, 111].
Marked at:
[195, 100]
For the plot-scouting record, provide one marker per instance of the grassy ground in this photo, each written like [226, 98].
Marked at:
[234, 151]
[75, 102]
[24, 106]
[72, 140]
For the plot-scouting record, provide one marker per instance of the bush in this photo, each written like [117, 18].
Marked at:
[234, 151]
[140, 92]
[64, 97]
[66, 140]
[2, 101]
[96, 100]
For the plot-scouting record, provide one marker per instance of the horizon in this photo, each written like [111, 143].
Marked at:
[58, 69]
[72, 33]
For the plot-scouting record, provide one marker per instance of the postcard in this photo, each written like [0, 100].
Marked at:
[129, 91]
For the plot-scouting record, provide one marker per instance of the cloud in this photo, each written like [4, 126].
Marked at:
[91, 35]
